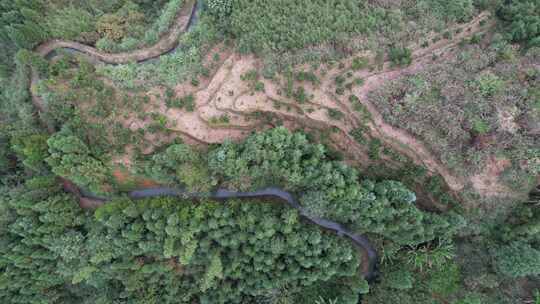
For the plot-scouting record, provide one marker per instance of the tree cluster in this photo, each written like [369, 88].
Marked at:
[327, 188]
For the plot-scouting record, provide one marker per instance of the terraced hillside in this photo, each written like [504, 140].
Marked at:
[413, 124]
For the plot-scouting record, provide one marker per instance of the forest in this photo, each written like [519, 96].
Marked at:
[412, 125]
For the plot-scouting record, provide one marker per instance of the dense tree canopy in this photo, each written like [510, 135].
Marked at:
[161, 250]
[71, 158]
[260, 251]
[328, 188]
[281, 25]
[523, 20]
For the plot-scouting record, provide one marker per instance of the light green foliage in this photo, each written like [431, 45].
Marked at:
[70, 22]
[480, 126]
[164, 21]
[34, 60]
[182, 64]
[281, 25]
[489, 84]
[32, 149]
[321, 300]
[316, 203]
[71, 158]
[359, 63]
[213, 274]
[180, 164]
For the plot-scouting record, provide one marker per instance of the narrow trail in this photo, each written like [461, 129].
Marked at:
[167, 43]
[417, 150]
[370, 269]
[243, 105]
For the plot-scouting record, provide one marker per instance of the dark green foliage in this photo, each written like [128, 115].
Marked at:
[300, 95]
[161, 250]
[399, 279]
[344, 292]
[40, 232]
[72, 159]
[328, 188]
[220, 8]
[522, 19]
[375, 146]
[180, 164]
[212, 252]
[517, 259]
[400, 56]
[32, 149]
[307, 76]
[458, 10]
[335, 114]
[359, 135]
[418, 276]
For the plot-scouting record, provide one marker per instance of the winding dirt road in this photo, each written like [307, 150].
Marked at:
[214, 102]
[196, 126]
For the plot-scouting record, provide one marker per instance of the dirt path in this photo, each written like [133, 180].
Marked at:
[248, 102]
[225, 94]
[166, 43]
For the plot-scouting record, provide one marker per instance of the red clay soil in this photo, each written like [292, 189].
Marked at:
[226, 94]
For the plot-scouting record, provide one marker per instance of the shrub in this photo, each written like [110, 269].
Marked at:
[359, 63]
[335, 114]
[522, 18]
[400, 56]
[375, 146]
[400, 279]
[517, 259]
[300, 95]
[70, 22]
[480, 126]
[220, 8]
[259, 86]
[307, 76]
[189, 102]
[71, 158]
[489, 84]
